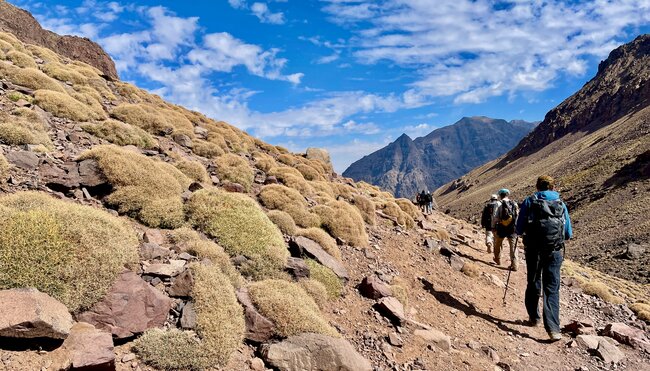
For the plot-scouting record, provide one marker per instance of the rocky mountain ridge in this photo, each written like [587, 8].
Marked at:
[407, 166]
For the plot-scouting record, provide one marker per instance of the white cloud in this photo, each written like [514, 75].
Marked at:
[344, 154]
[237, 4]
[415, 131]
[262, 12]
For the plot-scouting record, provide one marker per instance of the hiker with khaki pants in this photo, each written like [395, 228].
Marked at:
[505, 229]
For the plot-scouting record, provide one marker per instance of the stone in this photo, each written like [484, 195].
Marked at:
[238, 260]
[447, 250]
[130, 307]
[391, 308]
[29, 313]
[432, 244]
[23, 159]
[588, 341]
[86, 348]
[628, 335]
[214, 179]
[635, 251]
[271, 179]
[201, 132]
[90, 175]
[434, 337]
[473, 345]
[66, 176]
[314, 352]
[395, 340]
[297, 267]
[496, 281]
[258, 328]
[196, 186]
[609, 352]
[426, 225]
[491, 353]
[302, 245]
[149, 251]
[128, 357]
[171, 269]
[234, 187]
[373, 288]
[257, 364]
[584, 326]
[22, 103]
[154, 236]
[183, 140]
[182, 285]
[188, 317]
[456, 262]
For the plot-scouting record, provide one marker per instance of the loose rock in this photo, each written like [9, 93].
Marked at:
[29, 313]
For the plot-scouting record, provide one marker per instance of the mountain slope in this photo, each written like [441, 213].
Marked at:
[407, 166]
[597, 144]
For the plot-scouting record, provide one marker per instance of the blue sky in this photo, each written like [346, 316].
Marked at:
[353, 75]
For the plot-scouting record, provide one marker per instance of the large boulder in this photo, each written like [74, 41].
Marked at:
[628, 335]
[130, 307]
[86, 348]
[304, 246]
[29, 313]
[258, 328]
[372, 287]
[306, 352]
[319, 154]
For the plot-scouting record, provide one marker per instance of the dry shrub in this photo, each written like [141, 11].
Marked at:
[291, 178]
[265, 146]
[284, 221]
[642, 310]
[180, 123]
[281, 150]
[29, 77]
[323, 188]
[128, 91]
[390, 208]
[206, 149]
[193, 170]
[264, 162]
[147, 189]
[5, 47]
[85, 69]
[69, 251]
[323, 239]
[408, 207]
[190, 241]
[43, 53]
[241, 227]
[23, 128]
[120, 133]
[219, 317]
[92, 101]
[326, 277]
[172, 350]
[12, 40]
[343, 190]
[316, 290]
[235, 169]
[442, 235]
[144, 117]
[366, 207]
[236, 140]
[602, 291]
[291, 309]
[65, 106]
[4, 168]
[343, 220]
[21, 59]
[309, 172]
[287, 159]
[400, 289]
[63, 73]
[276, 196]
[470, 269]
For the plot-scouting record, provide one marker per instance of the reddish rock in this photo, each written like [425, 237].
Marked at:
[435, 337]
[271, 180]
[183, 284]
[149, 251]
[188, 317]
[90, 174]
[302, 245]
[130, 307]
[154, 236]
[391, 308]
[29, 313]
[67, 175]
[23, 159]
[86, 348]
[297, 267]
[183, 140]
[234, 187]
[628, 335]
[580, 327]
[373, 288]
[258, 328]
[456, 262]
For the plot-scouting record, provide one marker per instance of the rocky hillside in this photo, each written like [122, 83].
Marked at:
[596, 144]
[407, 166]
[23, 25]
[138, 235]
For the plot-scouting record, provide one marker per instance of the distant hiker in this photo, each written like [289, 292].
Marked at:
[429, 203]
[423, 200]
[489, 220]
[506, 217]
[545, 224]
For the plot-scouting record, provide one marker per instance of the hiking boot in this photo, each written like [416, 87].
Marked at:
[513, 267]
[532, 323]
[497, 261]
[555, 336]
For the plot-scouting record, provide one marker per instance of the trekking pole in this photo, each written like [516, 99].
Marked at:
[509, 271]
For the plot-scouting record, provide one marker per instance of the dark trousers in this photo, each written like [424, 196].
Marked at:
[543, 271]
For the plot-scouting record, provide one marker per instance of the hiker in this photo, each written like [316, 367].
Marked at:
[506, 217]
[429, 202]
[423, 200]
[418, 201]
[545, 224]
[488, 220]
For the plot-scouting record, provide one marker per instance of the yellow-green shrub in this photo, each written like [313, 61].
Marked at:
[399, 288]
[316, 290]
[291, 178]
[45, 54]
[600, 290]
[309, 172]
[264, 162]
[120, 133]
[193, 170]
[408, 207]
[148, 189]
[172, 350]
[69, 251]
[366, 207]
[29, 77]
[21, 59]
[63, 105]
[288, 306]
[343, 190]
[63, 73]
[276, 196]
[325, 276]
[206, 149]
[18, 129]
[283, 220]
[235, 169]
[4, 168]
[144, 117]
[323, 239]
[642, 310]
[343, 220]
[390, 208]
[241, 227]
[322, 187]
[265, 146]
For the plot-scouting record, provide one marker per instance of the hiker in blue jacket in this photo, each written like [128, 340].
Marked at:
[545, 224]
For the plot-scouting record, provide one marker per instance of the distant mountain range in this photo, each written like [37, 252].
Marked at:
[407, 166]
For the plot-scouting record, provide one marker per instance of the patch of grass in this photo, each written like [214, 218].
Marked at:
[276, 196]
[266, 147]
[45, 54]
[325, 276]
[287, 159]
[308, 172]
[323, 188]
[241, 227]
[219, 317]
[367, 208]
[206, 149]
[292, 179]
[602, 291]
[29, 77]
[63, 73]
[12, 40]
[5, 47]
[284, 221]
[288, 306]
[316, 290]
[172, 350]
[642, 310]
[408, 207]
[264, 162]
[147, 189]
[343, 220]
[399, 288]
[69, 251]
[120, 133]
[15, 96]
[390, 208]
[235, 169]
[193, 170]
[144, 117]
[235, 139]
[21, 59]
[323, 239]
[65, 106]
[343, 190]
[23, 129]
[470, 269]
[190, 241]
[4, 168]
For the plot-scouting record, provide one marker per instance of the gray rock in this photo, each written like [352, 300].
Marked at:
[373, 288]
[635, 251]
[297, 267]
[183, 284]
[588, 341]
[23, 159]
[183, 140]
[434, 337]
[456, 262]
[150, 251]
[391, 308]
[258, 328]
[153, 236]
[188, 317]
[171, 269]
[90, 175]
[29, 313]
[302, 245]
[609, 353]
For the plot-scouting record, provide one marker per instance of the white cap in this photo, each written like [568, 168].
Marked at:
[494, 197]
